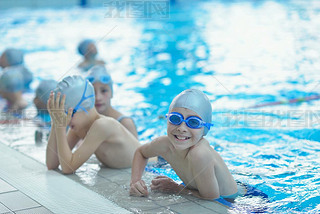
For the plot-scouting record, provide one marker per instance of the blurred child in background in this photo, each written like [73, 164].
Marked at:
[14, 58]
[88, 50]
[11, 89]
[102, 83]
[41, 98]
[40, 101]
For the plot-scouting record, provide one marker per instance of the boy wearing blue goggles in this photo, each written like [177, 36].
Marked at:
[192, 122]
[102, 83]
[198, 165]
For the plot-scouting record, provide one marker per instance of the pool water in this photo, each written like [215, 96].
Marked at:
[240, 53]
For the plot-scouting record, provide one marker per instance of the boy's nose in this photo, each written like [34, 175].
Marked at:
[182, 127]
[98, 96]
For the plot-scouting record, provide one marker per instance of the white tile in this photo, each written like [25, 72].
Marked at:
[162, 210]
[190, 207]
[213, 205]
[5, 187]
[38, 210]
[3, 209]
[17, 201]
[50, 188]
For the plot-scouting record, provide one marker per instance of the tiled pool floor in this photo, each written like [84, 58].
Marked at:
[26, 186]
[114, 185]
[14, 201]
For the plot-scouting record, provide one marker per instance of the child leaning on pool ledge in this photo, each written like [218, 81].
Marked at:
[103, 136]
[199, 166]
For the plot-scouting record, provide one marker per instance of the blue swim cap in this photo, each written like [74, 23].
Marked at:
[196, 101]
[11, 80]
[99, 73]
[13, 56]
[44, 89]
[27, 76]
[79, 93]
[84, 45]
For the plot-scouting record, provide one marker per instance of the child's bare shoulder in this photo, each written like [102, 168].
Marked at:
[104, 120]
[202, 151]
[104, 123]
[161, 139]
[161, 144]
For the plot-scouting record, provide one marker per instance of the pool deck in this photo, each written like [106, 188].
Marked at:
[26, 186]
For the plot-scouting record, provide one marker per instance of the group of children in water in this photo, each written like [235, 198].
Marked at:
[81, 114]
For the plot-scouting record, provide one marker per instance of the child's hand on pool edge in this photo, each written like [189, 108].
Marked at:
[56, 110]
[165, 184]
[138, 188]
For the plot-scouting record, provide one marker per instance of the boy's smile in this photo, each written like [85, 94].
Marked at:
[181, 136]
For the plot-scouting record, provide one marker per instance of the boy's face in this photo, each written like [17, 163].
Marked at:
[78, 120]
[181, 136]
[92, 49]
[103, 95]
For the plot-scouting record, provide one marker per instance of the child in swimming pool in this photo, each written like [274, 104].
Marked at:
[198, 165]
[102, 84]
[103, 136]
[41, 98]
[13, 58]
[88, 50]
[11, 89]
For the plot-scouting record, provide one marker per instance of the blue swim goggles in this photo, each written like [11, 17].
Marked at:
[83, 98]
[192, 122]
[105, 79]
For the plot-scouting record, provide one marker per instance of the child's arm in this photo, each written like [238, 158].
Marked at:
[97, 134]
[140, 159]
[52, 159]
[203, 175]
[137, 186]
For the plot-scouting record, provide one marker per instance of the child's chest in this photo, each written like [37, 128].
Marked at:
[184, 170]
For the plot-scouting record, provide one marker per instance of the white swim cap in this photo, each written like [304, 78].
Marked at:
[196, 101]
[99, 73]
[79, 93]
[44, 89]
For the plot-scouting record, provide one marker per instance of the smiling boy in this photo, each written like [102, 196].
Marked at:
[199, 166]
